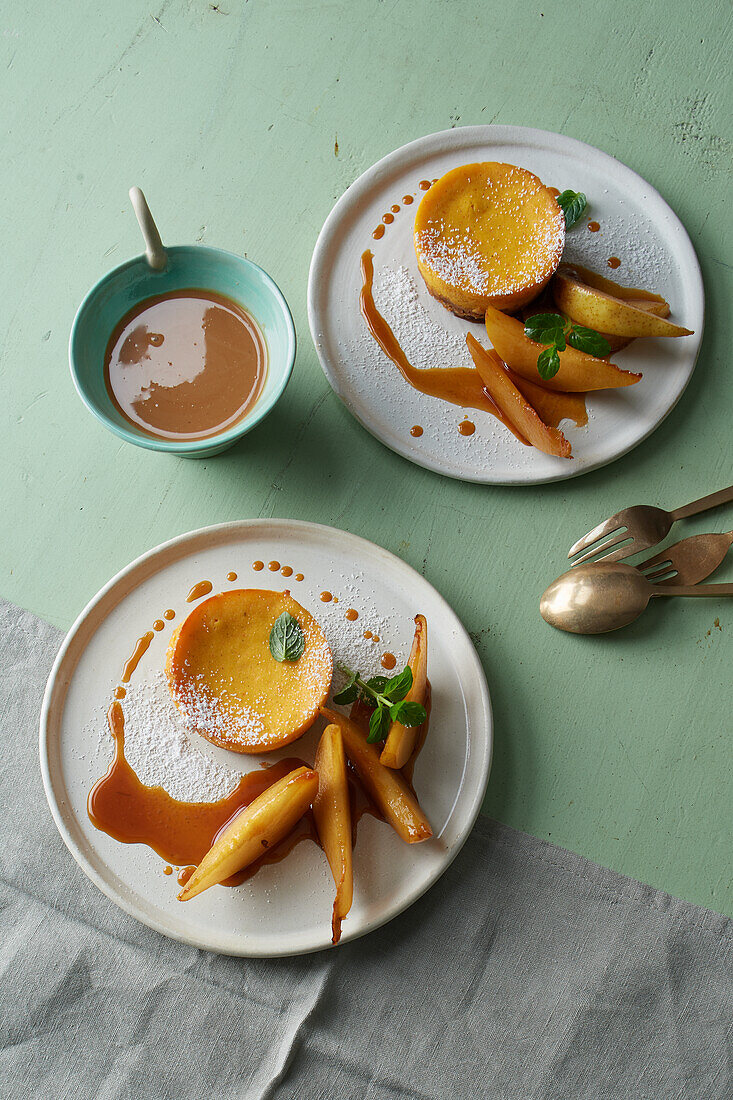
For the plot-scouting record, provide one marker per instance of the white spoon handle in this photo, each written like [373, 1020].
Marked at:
[154, 251]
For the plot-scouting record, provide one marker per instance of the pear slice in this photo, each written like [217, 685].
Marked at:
[578, 372]
[269, 818]
[606, 312]
[617, 290]
[332, 811]
[401, 739]
[513, 404]
[388, 788]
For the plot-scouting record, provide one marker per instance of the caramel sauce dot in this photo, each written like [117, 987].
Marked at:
[119, 693]
[388, 659]
[286, 571]
[184, 875]
[335, 599]
[273, 566]
[395, 209]
[367, 634]
[258, 565]
[231, 576]
[378, 233]
[466, 427]
[201, 589]
[425, 185]
[168, 870]
[158, 624]
[169, 614]
[416, 430]
[352, 615]
[594, 227]
[388, 219]
[375, 637]
[326, 597]
[407, 200]
[614, 262]
[299, 577]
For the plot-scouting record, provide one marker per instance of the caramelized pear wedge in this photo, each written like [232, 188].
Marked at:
[606, 311]
[401, 739]
[618, 290]
[268, 819]
[513, 404]
[388, 788]
[332, 811]
[578, 372]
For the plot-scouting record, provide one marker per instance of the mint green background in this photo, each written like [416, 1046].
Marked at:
[616, 747]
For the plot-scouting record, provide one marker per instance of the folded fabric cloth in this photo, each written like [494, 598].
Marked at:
[526, 972]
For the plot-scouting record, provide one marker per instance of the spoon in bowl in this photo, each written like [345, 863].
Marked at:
[596, 597]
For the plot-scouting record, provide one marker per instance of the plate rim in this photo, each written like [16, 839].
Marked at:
[458, 137]
[57, 688]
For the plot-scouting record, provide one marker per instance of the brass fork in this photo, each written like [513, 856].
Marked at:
[688, 561]
[637, 528]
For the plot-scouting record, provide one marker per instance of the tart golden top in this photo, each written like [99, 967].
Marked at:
[488, 234]
[228, 685]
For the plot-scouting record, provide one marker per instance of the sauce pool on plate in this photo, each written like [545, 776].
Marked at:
[185, 365]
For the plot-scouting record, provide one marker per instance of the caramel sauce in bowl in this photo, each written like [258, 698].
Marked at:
[140, 367]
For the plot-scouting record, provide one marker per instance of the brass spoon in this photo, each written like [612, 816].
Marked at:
[600, 596]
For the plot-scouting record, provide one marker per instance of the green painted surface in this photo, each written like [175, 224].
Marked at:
[619, 748]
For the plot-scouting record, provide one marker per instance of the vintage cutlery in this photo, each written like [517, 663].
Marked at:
[690, 560]
[600, 596]
[639, 527]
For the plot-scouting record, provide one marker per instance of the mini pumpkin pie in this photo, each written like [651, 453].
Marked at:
[488, 234]
[226, 682]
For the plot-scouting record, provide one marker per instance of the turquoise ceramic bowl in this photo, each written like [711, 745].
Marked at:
[188, 266]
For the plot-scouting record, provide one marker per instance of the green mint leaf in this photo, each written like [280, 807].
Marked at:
[572, 204]
[589, 341]
[377, 684]
[548, 363]
[408, 714]
[349, 691]
[378, 725]
[287, 640]
[544, 328]
[398, 687]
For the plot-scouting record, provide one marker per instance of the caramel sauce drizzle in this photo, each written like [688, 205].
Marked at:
[180, 832]
[460, 386]
[141, 647]
[201, 589]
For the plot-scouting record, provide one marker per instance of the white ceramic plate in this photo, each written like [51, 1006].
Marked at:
[637, 226]
[286, 908]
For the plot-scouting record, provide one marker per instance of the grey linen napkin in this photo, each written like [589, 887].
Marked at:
[526, 973]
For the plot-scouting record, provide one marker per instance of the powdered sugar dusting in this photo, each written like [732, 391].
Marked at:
[160, 750]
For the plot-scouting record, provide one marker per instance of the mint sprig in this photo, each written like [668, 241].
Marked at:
[287, 640]
[387, 696]
[572, 204]
[555, 332]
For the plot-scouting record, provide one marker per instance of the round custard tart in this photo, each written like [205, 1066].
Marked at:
[226, 682]
[488, 234]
